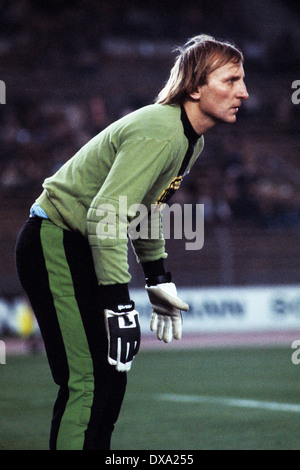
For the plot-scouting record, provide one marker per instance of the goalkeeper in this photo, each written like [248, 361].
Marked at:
[76, 275]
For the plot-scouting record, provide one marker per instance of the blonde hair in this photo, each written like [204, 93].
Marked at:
[199, 57]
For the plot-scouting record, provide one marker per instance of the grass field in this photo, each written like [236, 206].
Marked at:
[210, 399]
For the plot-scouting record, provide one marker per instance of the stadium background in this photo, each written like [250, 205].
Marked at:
[72, 67]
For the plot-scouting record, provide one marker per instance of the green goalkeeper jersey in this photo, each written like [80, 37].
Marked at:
[132, 161]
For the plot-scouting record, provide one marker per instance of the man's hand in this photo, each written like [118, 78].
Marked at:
[166, 317]
[124, 335]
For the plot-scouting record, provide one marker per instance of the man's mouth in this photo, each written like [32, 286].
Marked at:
[237, 107]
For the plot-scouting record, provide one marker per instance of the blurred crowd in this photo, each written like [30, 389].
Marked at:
[39, 133]
[235, 188]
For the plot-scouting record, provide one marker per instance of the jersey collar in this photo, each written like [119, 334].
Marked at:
[189, 131]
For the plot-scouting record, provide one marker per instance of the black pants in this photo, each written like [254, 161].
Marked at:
[56, 270]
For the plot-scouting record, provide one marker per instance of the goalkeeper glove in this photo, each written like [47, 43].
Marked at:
[166, 317]
[124, 335]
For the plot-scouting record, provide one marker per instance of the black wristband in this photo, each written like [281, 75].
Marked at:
[113, 295]
[153, 281]
[154, 268]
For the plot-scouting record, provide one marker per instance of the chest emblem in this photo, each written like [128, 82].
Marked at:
[168, 192]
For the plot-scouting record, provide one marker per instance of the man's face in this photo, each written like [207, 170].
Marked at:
[223, 94]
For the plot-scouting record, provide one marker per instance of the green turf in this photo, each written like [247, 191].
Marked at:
[148, 423]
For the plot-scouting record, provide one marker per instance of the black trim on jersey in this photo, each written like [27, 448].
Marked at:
[192, 137]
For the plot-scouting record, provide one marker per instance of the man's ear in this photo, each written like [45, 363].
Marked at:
[195, 94]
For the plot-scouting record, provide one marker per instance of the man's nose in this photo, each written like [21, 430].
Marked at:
[243, 93]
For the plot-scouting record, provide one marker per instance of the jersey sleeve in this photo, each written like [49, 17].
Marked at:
[138, 166]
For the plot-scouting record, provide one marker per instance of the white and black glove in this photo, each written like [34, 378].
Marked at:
[124, 335]
[166, 317]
